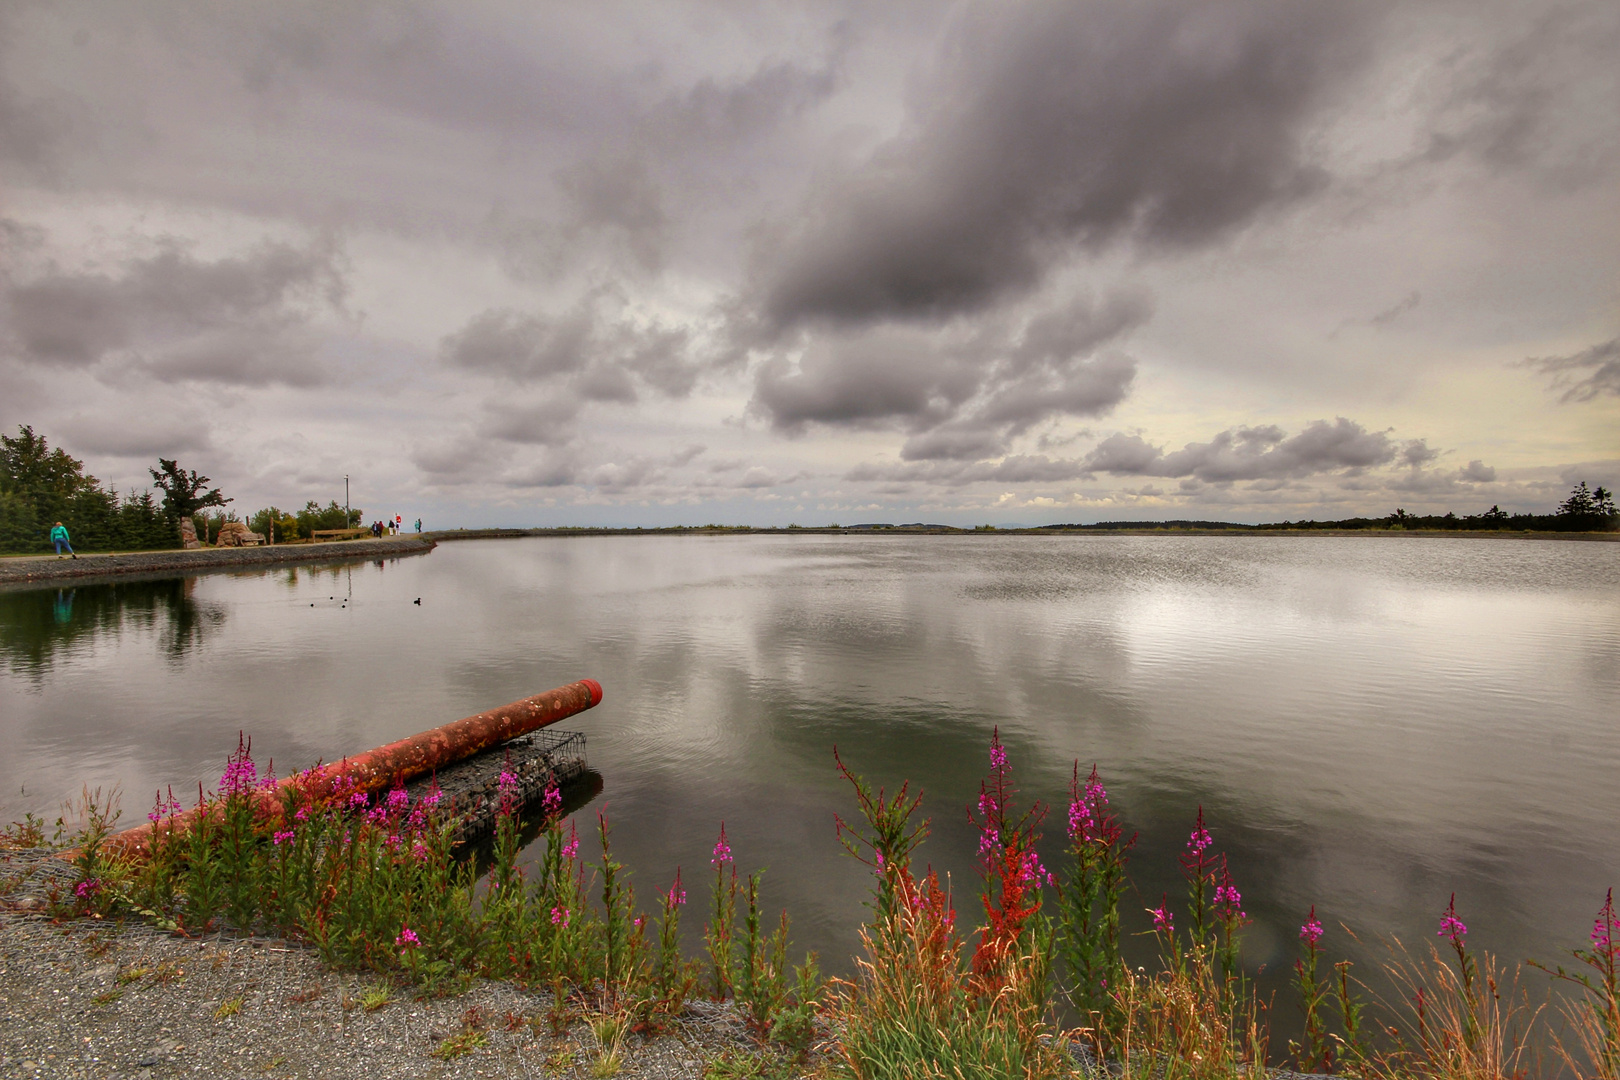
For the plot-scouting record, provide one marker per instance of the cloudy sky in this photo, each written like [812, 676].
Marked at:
[568, 263]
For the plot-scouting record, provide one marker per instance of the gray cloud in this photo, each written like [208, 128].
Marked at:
[1417, 453]
[1542, 101]
[598, 354]
[550, 422]
[240, 321]
[1395, 311]
[455, 459]
[1255, 453]
[140, 433]
[1584, 375]
[1050, 126]
[961, 394]
[1477, 472]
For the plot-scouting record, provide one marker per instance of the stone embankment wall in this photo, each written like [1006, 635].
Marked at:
[48, 568]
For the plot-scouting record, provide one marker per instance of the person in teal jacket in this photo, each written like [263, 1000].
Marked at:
[59, 537]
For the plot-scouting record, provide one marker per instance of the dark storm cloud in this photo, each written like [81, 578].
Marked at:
[240, 321]
[1256, 453]
[1046, 127]
[597, 354]
[1584, 375]
[961, 393]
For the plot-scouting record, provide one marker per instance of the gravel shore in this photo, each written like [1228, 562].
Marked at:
[90, 999]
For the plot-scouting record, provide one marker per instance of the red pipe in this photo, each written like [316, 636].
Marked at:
[403, 761]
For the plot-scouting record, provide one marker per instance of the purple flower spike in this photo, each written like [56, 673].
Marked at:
[407, 939]
[1311, 932]
[1164, 920]
[1451, 926]
[722, 850]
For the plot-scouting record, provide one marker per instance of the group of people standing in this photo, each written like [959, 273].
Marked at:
[392, 527]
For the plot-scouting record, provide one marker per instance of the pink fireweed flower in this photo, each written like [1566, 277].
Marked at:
[559, 916]
[878, 855]
[722, 850]
[640, 921]
[359, 799]
[551, 803]
[998, 754]
[571, 849]
[1081, 822]
[432, 797]
[283, 837]
[392, 841]
[988, 839]
[419, 850]
[1451, 926]
[1228, 900]
[677, 894]
[302, 814]
[1199, 838]
[1604, 926]
[988, 805]
[398, 799]
[1164, 920]
[164, 808]
[407, 939]
[1030, 870]
[239, 777]
[87, 888]
[507, 783]
[1311, 932]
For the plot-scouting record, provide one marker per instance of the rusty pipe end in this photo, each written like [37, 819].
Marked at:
[596, 692]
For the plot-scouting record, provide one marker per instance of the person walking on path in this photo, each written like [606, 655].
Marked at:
[59, 537]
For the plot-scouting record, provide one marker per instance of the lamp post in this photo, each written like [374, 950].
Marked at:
[345, 500]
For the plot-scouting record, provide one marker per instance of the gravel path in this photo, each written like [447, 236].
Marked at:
[93, 999]
[32, 569]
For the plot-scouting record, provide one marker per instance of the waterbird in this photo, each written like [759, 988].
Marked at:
[418, 601]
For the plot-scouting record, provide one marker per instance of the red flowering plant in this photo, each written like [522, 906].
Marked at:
[1013, 944]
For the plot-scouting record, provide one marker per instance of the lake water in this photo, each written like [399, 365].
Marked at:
[1370, 723]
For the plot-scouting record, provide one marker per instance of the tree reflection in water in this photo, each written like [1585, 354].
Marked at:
[37, 626]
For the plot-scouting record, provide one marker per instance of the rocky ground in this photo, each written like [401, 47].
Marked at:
[81, 998]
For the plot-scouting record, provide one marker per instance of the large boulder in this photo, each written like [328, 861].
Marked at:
[236, 534]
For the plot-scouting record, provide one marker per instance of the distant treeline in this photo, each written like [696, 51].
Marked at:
[1586, 510]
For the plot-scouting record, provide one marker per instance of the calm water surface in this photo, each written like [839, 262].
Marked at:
[1369, 723]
